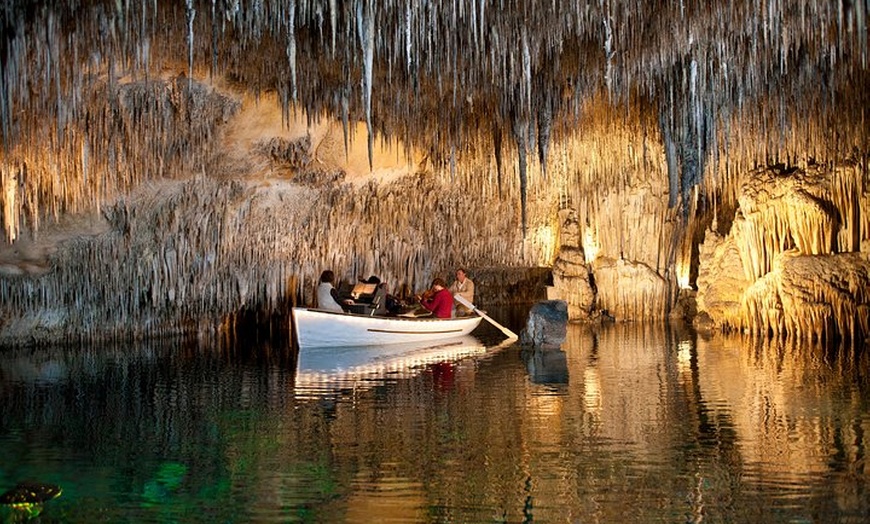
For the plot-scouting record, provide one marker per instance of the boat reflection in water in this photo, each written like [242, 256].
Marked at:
[321, 368]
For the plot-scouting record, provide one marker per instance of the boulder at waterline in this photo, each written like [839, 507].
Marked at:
[547, 325]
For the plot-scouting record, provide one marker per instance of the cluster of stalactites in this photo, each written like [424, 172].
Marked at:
[813, 211]
[193, 253]
[811, 297]
[440, 74]
[125, 134]
[801, 233]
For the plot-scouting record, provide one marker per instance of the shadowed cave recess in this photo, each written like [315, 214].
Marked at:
[174, 167]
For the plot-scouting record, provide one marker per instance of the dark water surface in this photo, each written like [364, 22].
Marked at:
[625, 423]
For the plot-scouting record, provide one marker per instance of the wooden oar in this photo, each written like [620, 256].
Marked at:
[508, 333]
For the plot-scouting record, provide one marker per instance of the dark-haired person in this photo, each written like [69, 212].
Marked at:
[464, 287]
[327, 295]
[438, 299]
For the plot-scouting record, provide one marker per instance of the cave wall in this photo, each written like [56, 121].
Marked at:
[795, 260]
[255, 203]
[272, 203]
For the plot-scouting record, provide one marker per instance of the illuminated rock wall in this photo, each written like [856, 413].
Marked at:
[272, 203]
[797, 237]
[572, 278]
[405, 139]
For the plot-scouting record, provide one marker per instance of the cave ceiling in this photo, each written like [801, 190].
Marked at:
[450, 76]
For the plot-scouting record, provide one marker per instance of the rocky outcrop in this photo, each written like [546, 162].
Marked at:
[571, 274]
[791, 263]
[721, 281]
[811, 296]
[547, 325]
[631, 290]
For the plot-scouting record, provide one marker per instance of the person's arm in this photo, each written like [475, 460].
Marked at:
[425, 297]
[468, 292]
[442, 301]
[427, 303]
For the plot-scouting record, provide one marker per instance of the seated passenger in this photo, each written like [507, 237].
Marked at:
[327, 296]
[438, 299]
[368, 297]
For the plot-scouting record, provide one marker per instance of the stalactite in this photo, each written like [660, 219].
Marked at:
[545, 125]
[671, 157]
[291, 47]
[191, 15]
[206, 248]
[465, 45]
[366, 32]
[811, 297]
[520, 130]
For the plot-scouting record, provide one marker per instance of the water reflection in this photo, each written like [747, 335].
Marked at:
[546, 366]
[324, 368]
[799, 412]
[624, 423]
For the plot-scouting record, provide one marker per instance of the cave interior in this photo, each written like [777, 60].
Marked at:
[170, 167]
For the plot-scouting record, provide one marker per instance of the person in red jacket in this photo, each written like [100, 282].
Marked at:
[438, 300]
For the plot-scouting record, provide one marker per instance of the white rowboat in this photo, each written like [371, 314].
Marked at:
[320, 328]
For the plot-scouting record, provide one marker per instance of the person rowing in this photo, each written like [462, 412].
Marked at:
[464, 287]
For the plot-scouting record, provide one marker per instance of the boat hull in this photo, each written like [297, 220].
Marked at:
[320, 328]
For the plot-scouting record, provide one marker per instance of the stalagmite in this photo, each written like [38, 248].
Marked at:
[571, 275]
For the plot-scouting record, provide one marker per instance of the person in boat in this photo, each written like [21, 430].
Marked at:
[438, 299]
[464, 287]
[381, 300]
[327, 295]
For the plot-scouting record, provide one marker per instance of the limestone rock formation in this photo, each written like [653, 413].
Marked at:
[571, 279]
[631, 290]
[571, 274]
[811, 296]
[547, 325]
[791, 265]
[721, 281]
[407, 138]
[251, 232]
